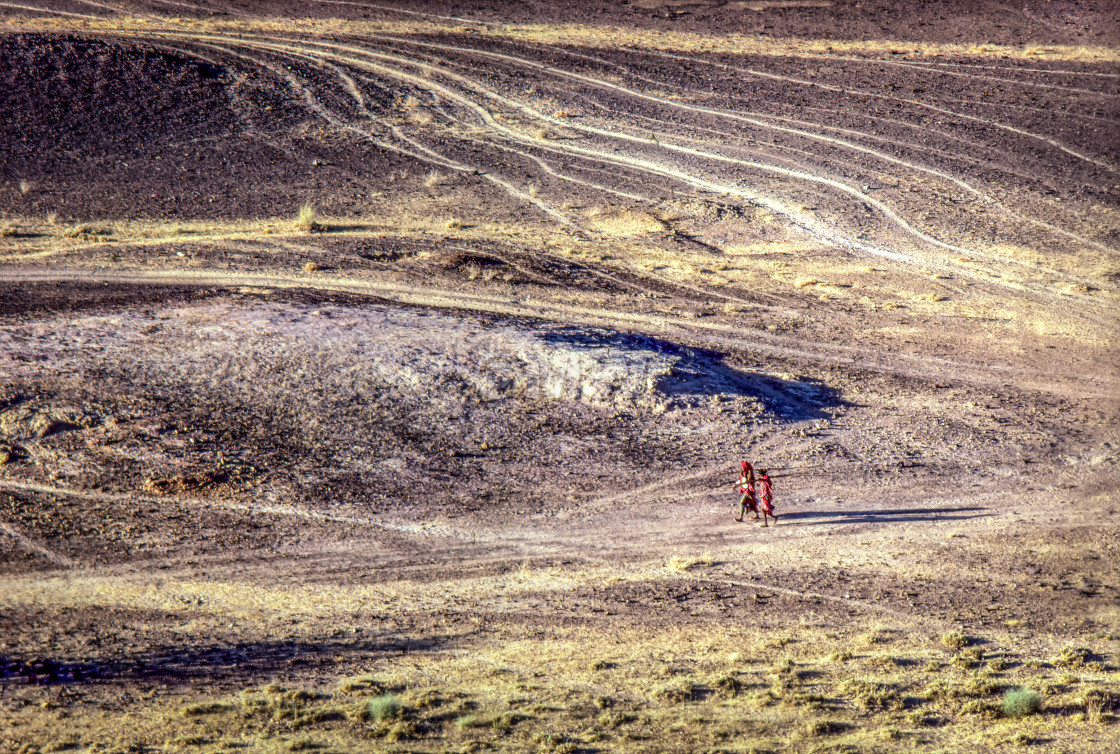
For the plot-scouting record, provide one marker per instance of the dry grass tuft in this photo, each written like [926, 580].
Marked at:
[310, 267]
[954, 640]
[1071, 657]
[87, 232]
[383, 707]
[25, 187]
[432, 179]
[308, 219]
[680, 563]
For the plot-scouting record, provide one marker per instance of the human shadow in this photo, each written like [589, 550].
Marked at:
[213, 662]
[884, 516]
[699, 374]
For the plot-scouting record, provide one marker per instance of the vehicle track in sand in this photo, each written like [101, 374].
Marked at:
[470, 93]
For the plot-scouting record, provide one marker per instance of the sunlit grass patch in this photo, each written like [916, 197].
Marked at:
[626, 223]
[682, 563]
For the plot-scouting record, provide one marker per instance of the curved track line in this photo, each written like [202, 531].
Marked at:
[32, 546]
[720, 335]
[50, 12]
[994, 79]
[754, 120]
[876, 95]
[277, 510]
[428, 155]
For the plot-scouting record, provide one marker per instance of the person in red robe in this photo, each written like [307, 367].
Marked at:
[746, 487]
[766, 497]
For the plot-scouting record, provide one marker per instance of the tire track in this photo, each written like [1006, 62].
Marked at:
[813, 225]
[32, 546]
[866, 199]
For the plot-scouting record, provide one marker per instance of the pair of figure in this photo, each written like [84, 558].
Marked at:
[757, 494]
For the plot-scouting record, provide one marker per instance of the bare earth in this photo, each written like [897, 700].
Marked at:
[449, 465]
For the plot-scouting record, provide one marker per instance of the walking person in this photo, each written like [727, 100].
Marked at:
[746, 487]
[766, 495]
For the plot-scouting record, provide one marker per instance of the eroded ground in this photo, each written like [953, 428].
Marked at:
[447, 464]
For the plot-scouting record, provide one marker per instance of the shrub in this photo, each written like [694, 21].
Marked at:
[870, 695]
[402, 731]
[308, 218]
[877, 636]
[383, 707]
[1021, 702]
[677, 692]
[680, 563]
[205, 708]
[815, 728]
[954, 640]
[86, 232]
[728, 684]
[1071, 657]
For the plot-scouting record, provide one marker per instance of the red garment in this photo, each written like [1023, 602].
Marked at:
[745, 467]
[767, 494]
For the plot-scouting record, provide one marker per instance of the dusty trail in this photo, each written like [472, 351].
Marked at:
[708, 334]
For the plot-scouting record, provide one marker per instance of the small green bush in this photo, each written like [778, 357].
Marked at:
[1021, 702]
[383, 707]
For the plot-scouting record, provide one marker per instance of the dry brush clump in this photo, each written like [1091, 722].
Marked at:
[682, 563]
[308, 219]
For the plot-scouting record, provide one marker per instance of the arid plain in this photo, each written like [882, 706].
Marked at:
[374, 377]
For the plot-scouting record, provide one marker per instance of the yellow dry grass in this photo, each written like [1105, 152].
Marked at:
[627, 223]
[562, 689]
[579, 35]
[37, 240]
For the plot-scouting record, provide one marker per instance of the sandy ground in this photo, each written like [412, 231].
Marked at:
[477, 422]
